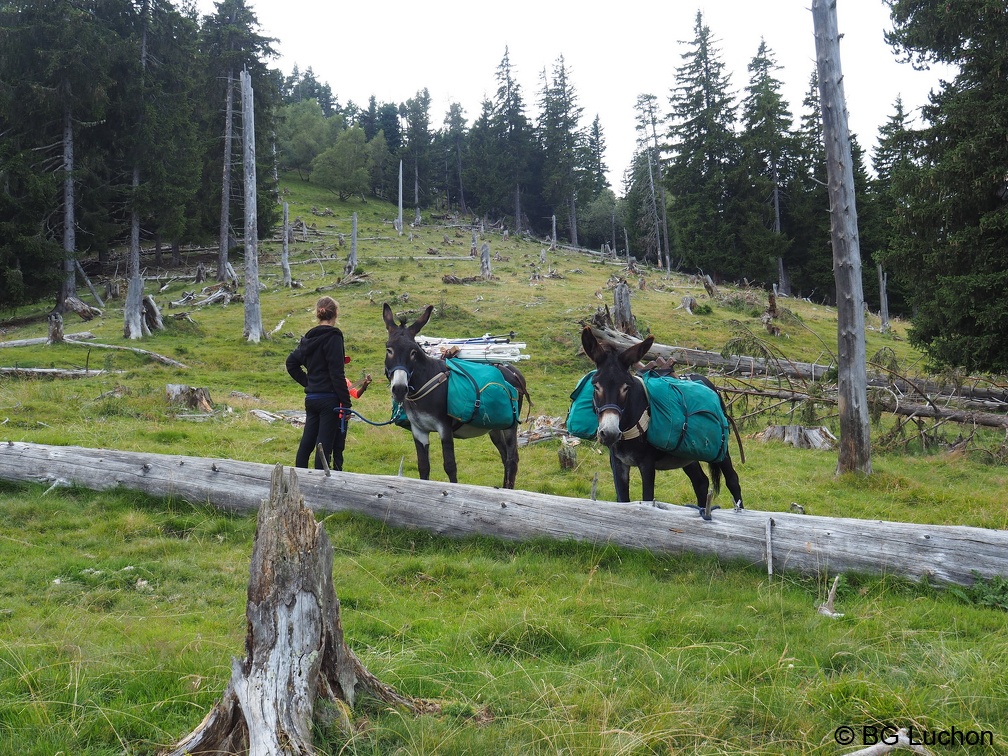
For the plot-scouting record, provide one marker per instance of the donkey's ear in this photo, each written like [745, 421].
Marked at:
[387, 316]
[634, 354]
[591, 346]
[422, 320]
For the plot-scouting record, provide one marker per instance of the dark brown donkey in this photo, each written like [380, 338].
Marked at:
[419, 384]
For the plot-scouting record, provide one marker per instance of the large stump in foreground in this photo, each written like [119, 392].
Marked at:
[295, 652]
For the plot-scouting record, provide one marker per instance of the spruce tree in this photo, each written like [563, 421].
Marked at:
[705, 155]
[768, 149]
[953, 232]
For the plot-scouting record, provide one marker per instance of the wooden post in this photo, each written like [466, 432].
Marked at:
[855, 436]
[553, 236]
[253, 315]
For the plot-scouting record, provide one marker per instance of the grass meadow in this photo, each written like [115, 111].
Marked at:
[120, 613]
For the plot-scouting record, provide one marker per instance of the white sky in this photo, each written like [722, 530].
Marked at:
[613, 52]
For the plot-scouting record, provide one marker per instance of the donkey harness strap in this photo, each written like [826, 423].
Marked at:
[432, 384]
[640, 427]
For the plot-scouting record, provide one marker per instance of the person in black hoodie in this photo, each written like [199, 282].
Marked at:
[317, 364]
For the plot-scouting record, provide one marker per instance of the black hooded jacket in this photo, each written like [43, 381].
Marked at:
[320, 353]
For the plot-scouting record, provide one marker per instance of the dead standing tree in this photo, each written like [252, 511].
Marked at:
[294, 645]
[855, 431]
[253, 314]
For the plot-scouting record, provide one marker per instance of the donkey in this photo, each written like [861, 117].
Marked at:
[419, 383]
[621, 404]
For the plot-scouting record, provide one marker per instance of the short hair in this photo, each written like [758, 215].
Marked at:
[326, 308]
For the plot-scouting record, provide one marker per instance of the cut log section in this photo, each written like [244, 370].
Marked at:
[804, 543]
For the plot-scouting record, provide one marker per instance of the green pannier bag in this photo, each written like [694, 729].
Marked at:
[478, 396]
[686, 418]
[581, 418]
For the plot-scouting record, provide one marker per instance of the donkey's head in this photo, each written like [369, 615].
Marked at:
[402, 354]
[612, 383]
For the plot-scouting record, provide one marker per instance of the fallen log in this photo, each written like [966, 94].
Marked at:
[45, 339]
[803, 543]
[18, 372]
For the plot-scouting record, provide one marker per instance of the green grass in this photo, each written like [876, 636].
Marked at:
[119, 613]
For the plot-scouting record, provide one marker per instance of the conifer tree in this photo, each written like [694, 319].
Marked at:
[767, 148]
[953, 231]
[705, 155]
[562, 142]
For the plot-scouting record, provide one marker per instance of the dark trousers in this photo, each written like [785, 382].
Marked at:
[323, 425]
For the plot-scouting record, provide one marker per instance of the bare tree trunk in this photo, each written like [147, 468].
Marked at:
[654, 209]
[253, 315]
[399, 223]
[883, 280]
[485, 261]
[416, 192]
[225, 216]
[351, 263]
[462, 202]
[69, 286]
[855, 437]
[518, 210]
[572, 211]
[783, 281]
[133, 321]
[284, 259]
[553, 236]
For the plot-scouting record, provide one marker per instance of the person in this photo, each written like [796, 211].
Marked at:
[356, 391]
[317, 364]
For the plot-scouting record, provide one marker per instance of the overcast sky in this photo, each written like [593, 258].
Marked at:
[613, 52]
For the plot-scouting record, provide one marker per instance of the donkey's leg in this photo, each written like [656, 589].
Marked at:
[647, 474]
[701, 486]
[506, 442]
[422, 442]
[731, 480]
[448, 453]
[621, 477]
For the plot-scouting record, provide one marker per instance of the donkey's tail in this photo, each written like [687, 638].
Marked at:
[514, 376]
[738, 438]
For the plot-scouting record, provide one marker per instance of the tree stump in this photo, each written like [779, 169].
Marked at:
[567, 454]
[55, 328]
[152, 314]
[623, 318]
[295, 651]
[189, 396]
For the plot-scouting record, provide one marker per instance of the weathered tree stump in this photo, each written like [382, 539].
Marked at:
[295, 651]
[567, 454]
[623, 318]
[709, 287]
[55, 328]
[152, 315]
[189, 396]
